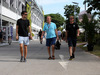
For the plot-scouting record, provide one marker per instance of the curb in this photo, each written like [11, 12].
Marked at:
[4, 44]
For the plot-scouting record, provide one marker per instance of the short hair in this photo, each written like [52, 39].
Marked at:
[71, 16]
[49, 16]
[23, 12]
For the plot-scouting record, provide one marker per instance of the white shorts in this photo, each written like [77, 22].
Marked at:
[24, 40]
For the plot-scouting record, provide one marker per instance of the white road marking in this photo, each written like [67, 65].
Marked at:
[63, 63]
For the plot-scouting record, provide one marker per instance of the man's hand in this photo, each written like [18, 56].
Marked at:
[16, 37]
[57, 38]
[41, 37]
[77, 35]
[30, 37]
[66, 40]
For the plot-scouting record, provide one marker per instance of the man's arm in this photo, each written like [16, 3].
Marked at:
[16, 32]
[42, 34]
[56, 34]
[66, 34]
[78, 32]
[30, 32]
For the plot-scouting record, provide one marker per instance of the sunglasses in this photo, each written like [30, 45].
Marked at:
[71, 18]
[25, 14]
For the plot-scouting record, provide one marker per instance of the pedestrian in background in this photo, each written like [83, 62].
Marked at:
[59, 35]
[63, 35]
[52, 34]
[72, 31]
[40, 33]
[1, 35]
[22, 34]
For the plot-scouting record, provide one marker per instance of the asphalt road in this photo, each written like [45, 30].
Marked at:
[38, 64]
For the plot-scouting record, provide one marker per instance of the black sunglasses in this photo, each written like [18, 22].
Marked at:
[25, 14]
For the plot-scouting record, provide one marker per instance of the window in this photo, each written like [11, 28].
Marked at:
[11, 2]
[23, 7]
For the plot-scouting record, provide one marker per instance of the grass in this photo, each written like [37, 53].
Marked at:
[79, 42]
[96, 50]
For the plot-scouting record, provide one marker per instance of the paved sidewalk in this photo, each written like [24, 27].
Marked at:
[3, 44]
[37, 63]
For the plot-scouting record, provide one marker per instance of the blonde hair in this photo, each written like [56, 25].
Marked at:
[71, 16]
[49, 16]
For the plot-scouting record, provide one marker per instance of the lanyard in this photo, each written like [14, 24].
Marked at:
[48, 26]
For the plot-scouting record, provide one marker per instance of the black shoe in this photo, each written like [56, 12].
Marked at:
[25, 60]
[41, 42]
[53, 57]
[49, 58]
[21, 60]
[71, 57]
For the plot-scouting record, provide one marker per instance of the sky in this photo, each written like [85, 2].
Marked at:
[57, 6]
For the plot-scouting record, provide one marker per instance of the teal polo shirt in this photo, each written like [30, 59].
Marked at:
[50, 29]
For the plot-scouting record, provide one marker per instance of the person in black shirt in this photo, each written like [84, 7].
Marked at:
[72, 31]
[40, 33]
[22, 34]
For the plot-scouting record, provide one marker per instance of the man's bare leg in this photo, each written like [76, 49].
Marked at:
[53, 50]
[49, 51]
[74, 49]
[21, 49]
[70, 51]
[21, 52]
[73, 54]
[25, 51]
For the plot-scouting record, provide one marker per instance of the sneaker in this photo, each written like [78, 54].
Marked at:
[21, 60]
[25, 60]
[41, 42]
[71, 57]
[49, 58]
[53, 57]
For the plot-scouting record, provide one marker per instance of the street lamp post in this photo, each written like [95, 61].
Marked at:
[75, 4]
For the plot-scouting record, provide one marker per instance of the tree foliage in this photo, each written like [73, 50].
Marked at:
[89, 27]
[93, 5]
[56, 18]
[69, 10]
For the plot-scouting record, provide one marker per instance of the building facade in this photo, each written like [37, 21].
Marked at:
[10, 12]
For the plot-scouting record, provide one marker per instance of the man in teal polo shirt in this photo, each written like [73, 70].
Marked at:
[52, 34]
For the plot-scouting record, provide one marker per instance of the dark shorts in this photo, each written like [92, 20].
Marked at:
[0, 36]
[50, 42]
[72, 42]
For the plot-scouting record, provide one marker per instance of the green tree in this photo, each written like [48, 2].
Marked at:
[61, 28]
[56, 18]
[89, 27]
[69, 10]
[93, 5]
